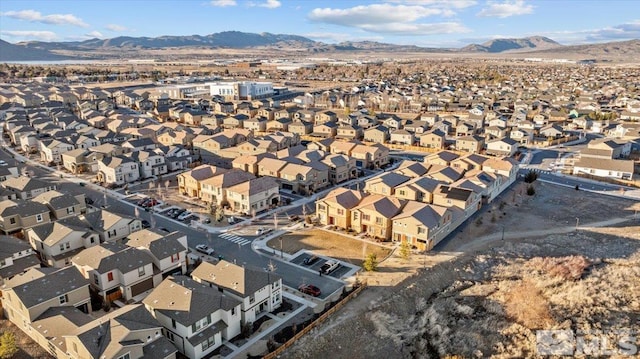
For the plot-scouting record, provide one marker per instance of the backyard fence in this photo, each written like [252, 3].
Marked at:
[322, 318]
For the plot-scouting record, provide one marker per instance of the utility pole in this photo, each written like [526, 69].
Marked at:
[502, 233]
[577, 222]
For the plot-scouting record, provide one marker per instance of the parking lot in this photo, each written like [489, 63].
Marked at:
[315, 266]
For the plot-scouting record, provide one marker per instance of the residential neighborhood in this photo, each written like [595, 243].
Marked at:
[156, 220]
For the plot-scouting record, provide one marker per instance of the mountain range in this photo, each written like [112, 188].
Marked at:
[109, 48]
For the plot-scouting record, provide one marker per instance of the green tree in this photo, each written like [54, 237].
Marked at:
[370, 263]
[405, 250]
[219, 213]
[530, 177]
[8, 347]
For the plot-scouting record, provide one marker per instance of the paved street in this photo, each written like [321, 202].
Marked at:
[232, 247]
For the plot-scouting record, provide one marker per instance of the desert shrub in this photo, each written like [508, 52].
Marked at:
[530, 177]
[531, 191]
[526, 305]
[8, 347]
[370, 263]
[567, 268]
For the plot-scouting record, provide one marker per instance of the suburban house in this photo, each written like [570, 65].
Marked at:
[189, 183]
[420, 223]
[51, 150]
[27, 298]
[472, 144]
[374, 156]
[117, 271]
[18, 215]
[334, 209]
[16, 257]
[403, 137]
[341, 168]
[385, 183]
[607, 168]
[214, 189]
[168, 250]
[502, 147]
[150, 163]
[195, 317]
[110, 226]
[62, 205]
[303, 179]
[253, 196]
[419, 189]
[118, 170]
[27, 187]
[373, 214]
[258, 291]
[57, 242]
[378, 134]
[77, 161]
[433, 139]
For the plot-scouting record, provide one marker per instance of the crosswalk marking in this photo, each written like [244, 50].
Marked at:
[235, 239]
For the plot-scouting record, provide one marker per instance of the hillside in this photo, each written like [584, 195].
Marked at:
[11, 52]
[502, 45]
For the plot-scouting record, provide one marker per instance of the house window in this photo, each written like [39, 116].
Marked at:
[252, 300]
[126, 356]
[401, 192]
[175, 257]
[201, 323]
[322, 207]
[61, 246]
[12, 221]
[340, 211]
[96, 279]
[141, 271]
[70, 210]
[39, 218]
[110, 276]
[67, 245]
[355, 215]
[422, 230]
[63, 299]
[366, 217]
[379, 220]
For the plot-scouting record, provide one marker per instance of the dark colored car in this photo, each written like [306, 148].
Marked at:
[145, 224]
[310, 289]
[310, 260]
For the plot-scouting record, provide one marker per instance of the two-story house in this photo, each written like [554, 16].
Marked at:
[373, 214]
[420, 223]
[18, 215]
[335, 208]
[57, 242]
[150, 163]
[16, 257]
[168, 250]
[27, 187]
[253, 196]
[116, 271]
[196, 317]
[259, 291]
[62, 205]
[118, 170]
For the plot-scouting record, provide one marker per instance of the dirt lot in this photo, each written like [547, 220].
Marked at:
[329, 244]
[28, 349]
[480, 296]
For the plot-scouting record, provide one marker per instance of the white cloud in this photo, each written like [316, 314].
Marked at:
[223, 3]
[53, 19]
[20, 35]
[506, 9]
[93, 34]
[389, 18]
[334, 37]
[115, 27]
[621, 32]
[457, 4]
[269, 4]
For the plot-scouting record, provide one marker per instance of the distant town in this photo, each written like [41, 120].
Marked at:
[226, 210]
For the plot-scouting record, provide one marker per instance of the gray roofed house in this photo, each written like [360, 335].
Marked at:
[28, 187]
[168, 250]
[18, 215]
[62, 205]
[257, 289]
[57, 242]
[195, 313]
[117, 268]
[16, 256]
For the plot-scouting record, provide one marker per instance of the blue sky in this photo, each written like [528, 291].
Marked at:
[438, 23]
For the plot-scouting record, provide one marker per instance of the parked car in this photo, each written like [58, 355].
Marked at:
[184, 215]
[310, 289]
[263, 230]
[177, 213]
[204, 249]
[310, 260]
[3, 163]
[145, 224]
[150, 202]
[329, 267]
[164, 229]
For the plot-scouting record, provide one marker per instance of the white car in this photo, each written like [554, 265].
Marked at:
[184, 215]
[3, 163]
[204, 249]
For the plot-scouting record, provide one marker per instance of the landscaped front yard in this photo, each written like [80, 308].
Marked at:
[328, 244]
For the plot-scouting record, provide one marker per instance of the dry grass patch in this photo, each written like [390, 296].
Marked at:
[526, 304]
[567, 268]
[328, 244]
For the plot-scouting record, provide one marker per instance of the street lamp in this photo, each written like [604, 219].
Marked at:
[577, 222]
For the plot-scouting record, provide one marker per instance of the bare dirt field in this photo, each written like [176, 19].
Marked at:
[329, 244]
[28, 349]
[488, 299]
